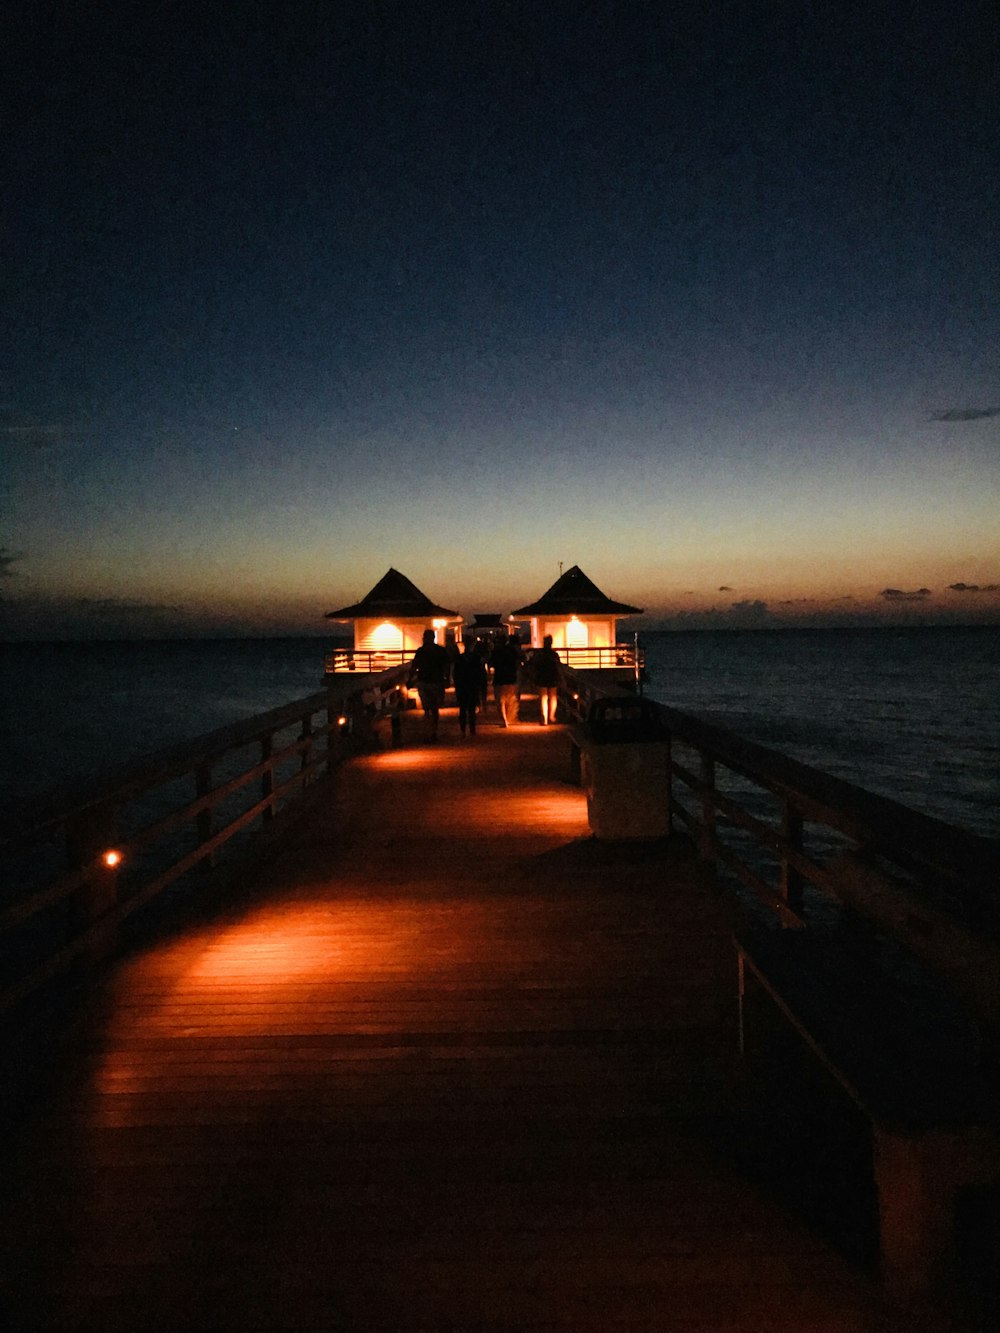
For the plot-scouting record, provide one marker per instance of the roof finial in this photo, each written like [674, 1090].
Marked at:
[560, 568]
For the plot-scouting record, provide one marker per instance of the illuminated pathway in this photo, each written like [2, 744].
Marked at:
[440, 1071]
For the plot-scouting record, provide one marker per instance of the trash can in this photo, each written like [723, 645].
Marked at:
[624, 768]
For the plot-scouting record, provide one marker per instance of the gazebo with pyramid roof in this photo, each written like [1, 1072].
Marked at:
[389, 624]
[581, 619]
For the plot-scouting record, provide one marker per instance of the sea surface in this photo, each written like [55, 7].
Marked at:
[910, 713]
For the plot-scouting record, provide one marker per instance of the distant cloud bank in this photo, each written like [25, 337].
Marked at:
[974, 587]
[40, 617]
[966, 414]
[898, 595]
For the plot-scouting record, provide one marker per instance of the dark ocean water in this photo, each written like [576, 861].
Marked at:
[909, 713]
[912, 713]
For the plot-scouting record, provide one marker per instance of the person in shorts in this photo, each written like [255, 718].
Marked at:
[506, 663]
[546, 671]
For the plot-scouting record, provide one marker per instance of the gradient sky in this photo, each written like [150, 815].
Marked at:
[704, 298]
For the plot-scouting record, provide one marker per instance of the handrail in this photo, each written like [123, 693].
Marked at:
[231, 778]
[365, 661]
[612, 656]
[950, 872]
[361, 661]
[119, 784]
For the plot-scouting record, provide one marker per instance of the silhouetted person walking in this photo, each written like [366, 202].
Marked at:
[430, 669]
[468, 673]
[506, 662]
[546, 671]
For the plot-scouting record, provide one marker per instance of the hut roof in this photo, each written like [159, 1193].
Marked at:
[574, 594]
[393, 595]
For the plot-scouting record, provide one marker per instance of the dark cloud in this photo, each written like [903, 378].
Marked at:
[797, 601]
[41, 617]
[7, 561]
[898, 595]
[966, 414]
[749, 612]
[725, 588]
[123, 606]
[974, 587]
[21, 432]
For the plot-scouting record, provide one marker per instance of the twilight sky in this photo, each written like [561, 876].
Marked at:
[704, 298]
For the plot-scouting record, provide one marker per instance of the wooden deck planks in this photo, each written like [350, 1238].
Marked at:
[442, 1069]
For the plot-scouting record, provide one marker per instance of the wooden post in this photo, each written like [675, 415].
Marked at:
[741, 1000]
[670, 785]
[791, 880]
[306, 757]
[332, 731]
[203, 822]
[88, 838]
[267, 777]
[706, 848]
[915, 1181]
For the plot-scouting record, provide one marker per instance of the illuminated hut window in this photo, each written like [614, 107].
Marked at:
[576, 633]
[385, 638]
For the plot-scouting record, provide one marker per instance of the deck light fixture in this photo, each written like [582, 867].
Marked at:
[112, 858]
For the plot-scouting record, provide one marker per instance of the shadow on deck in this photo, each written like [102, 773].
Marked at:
[442, 1063]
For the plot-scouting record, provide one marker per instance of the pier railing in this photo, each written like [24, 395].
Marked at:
[78, 864]
[365, 661]
[604, 659]
[345, 661]
[889, 973]
[799, 840]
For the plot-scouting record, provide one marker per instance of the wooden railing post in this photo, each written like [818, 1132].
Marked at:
[203, 820]
[670, 784]
[332, 730]
[359, 722]
[706, 848]
[791, 880]
[306, 756]
[267, 777]
[89, 839]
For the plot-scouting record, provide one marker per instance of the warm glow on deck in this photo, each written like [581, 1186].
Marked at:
[396, 759]
[275, 947]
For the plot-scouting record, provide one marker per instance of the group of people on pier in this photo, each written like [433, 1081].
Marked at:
[501, 660]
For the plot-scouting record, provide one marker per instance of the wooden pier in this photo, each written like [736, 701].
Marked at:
[438, 1061]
